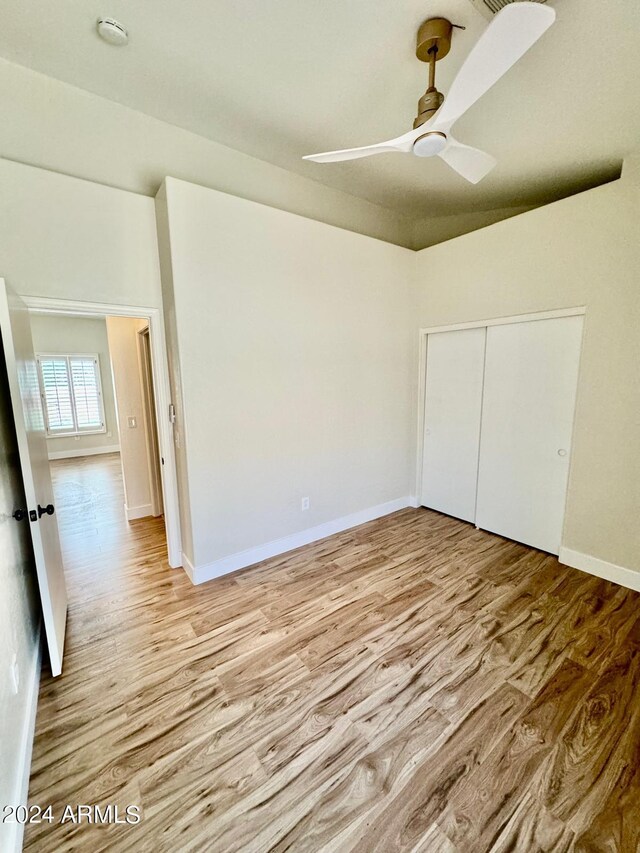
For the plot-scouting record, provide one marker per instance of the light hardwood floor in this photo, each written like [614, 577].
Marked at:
[413, 684]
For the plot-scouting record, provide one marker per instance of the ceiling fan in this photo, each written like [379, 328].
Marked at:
[507, 38]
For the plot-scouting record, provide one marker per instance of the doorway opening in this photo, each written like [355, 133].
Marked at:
[99, 403]
[111, 432]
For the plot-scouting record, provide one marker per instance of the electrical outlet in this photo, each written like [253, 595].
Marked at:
[15, 674]
[305, 504]
[109, 434]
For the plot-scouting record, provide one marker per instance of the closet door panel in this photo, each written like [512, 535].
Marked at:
[531, 376]
[453, 402]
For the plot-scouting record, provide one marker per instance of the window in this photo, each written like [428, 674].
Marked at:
[71, 394]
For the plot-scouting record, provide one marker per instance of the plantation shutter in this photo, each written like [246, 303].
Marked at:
[71, 394]
[57, 394]
[86, 391]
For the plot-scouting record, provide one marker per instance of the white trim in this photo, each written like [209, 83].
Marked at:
[50, 305]
[242, 559]
[26, 746]
[88, 451]
[152, 445]
[573, 432]
[422, 395]
[162, 390]
[503, 321]
[188, 566]
[423, 334]
[621, 575]
[133, 512]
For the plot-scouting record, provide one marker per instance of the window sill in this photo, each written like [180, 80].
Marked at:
[75, 434]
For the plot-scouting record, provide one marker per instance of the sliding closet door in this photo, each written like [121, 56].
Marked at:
[453, 402]
[530, 385]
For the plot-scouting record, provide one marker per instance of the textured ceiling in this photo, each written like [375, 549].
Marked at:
[285, 78]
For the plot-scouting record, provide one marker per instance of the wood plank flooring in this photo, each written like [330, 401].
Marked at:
[410, 685]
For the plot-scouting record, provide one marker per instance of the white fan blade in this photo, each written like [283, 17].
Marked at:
[515, 29]
[471, 163]
[401, 143]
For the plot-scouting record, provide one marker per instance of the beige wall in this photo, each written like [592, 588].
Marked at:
[56, 333]
[123, 346]
[296, 354]
[432, 230]
[70, 239]
[584, 250]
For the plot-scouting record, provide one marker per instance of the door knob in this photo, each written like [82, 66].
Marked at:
[562, 452]
[20, 514]
[45, 510]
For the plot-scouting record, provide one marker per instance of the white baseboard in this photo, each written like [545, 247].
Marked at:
[200, 574]
[16, 830]
[414, 502]
[84, 451]
[628, 578]
[187, 565]
[133, 512]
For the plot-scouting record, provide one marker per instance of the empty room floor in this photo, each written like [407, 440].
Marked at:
[413, 684]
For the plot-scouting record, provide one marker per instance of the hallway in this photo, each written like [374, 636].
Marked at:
[94, 533]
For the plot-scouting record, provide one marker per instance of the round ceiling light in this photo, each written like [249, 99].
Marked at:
[111, 31]
[430, 144]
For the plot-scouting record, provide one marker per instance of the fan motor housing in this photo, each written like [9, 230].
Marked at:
[428, 105]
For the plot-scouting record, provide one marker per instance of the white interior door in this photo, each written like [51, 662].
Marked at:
[453, 403]
[34, 462]
[530, 383]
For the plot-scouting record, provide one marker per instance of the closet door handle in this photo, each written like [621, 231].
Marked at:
[562, 452]
[49, 509]
[20, 514]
